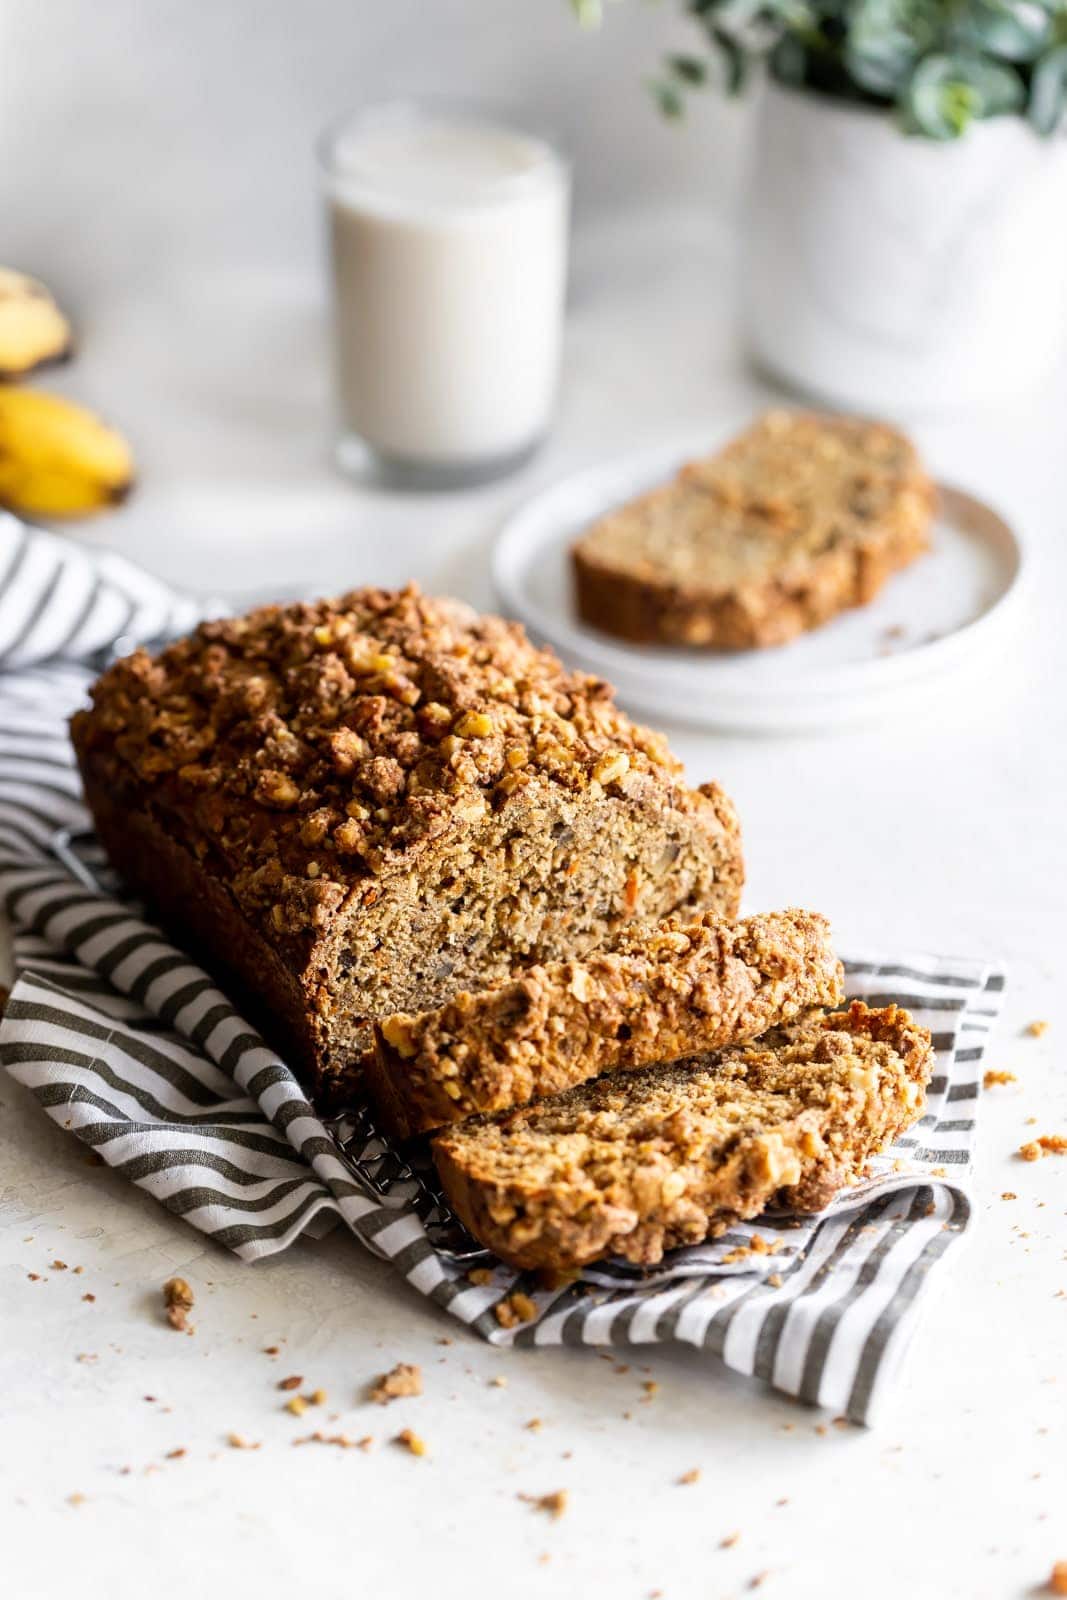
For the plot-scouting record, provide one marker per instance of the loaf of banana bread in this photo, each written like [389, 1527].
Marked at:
[798, 518]
[688, 985]
[361, 806]
[635, 1163]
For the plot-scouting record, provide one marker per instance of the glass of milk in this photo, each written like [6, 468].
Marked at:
[448, 242]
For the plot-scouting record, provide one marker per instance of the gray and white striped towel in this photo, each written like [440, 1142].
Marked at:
[127, 1043]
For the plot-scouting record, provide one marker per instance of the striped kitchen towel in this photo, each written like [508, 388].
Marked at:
[124, 1041]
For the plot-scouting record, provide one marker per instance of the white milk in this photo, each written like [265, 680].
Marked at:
[449, 247]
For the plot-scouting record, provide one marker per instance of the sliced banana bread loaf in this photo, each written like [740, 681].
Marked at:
[361, 806]
[638, 1162]
[799, 518]
[691, 984]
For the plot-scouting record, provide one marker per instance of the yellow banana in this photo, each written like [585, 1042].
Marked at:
[33, 330]
[56, 458]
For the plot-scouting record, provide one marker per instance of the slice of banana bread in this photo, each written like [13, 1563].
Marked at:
[637, 1163]
[688, 985]
[361, 806]
[799, 518]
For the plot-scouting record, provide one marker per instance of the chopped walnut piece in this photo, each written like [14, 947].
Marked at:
[474, 725]
[178, 1301]
[411, 1441]
[1036, 1029]
[515, 1308]
[292, 1382]
[58, 1266]
[995, 1075]
[555, 1504]
[402, 1381]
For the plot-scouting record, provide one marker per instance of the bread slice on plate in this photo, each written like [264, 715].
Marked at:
[800, 517]
[688, 985]
[634, 1164]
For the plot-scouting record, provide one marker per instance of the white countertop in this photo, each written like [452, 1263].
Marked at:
[944, 829]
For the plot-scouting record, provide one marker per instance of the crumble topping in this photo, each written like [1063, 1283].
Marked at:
[310, 747]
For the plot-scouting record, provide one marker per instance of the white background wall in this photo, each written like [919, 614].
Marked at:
[137, 134]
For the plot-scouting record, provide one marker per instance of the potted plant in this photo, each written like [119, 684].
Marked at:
[905, 239]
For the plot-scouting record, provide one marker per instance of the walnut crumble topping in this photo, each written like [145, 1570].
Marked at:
[307, 749]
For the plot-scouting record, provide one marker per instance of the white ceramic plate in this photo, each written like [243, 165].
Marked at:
[946, 608]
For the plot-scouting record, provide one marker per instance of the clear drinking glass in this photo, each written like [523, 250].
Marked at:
[448, 232]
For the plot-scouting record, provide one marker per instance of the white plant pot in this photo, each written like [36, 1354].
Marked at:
[897, 275]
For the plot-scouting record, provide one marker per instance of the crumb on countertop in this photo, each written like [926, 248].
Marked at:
[237, 1441]
[995, 1075]
[411, 1441]
[692, 1476]
[402, 1381]
[554, 1504]
[178, 1302]
[1035, 1030]
[1049, 1144]
[292, 1382]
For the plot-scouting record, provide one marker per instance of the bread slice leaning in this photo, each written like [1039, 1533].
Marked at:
[637, 1163]
[800, 517]
[691, 984]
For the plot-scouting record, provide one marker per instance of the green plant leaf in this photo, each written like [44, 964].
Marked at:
[1048, 90]
[689, 69]
[886, 38]
[668, 98]
[789, 61]
[948, 92]
[1016, 30]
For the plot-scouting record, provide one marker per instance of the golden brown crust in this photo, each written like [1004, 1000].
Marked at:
[359, 806]
[636, 1163]
[690, 985]
[797, 519]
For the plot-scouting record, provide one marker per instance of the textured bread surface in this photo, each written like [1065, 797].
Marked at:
[800, 517]
[359, 806]
[636, 1163]
[689, 985]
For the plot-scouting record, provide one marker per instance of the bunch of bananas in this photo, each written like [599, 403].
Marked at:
[56, 458]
